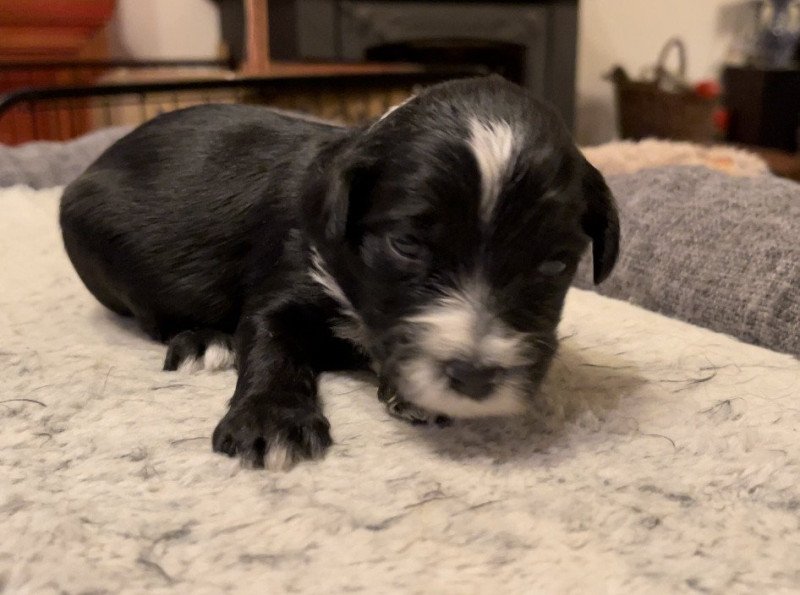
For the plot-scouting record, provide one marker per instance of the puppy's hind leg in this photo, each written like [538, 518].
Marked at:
[200, 349]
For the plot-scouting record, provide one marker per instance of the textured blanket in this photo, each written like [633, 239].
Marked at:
[664, 458]
[708, 248]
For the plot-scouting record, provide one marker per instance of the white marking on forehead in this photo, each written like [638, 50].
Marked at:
[494, 146]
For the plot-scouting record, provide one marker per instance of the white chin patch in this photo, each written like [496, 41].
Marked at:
[423, 384]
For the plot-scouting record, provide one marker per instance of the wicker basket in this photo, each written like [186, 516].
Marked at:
[666, 106]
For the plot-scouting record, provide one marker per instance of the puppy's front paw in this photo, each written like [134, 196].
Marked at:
[273, 437]
[399, 408]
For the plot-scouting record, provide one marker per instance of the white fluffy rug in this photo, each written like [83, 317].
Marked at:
[678, 467]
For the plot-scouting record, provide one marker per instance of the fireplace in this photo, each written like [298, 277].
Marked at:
[532, 43]
[506, 59]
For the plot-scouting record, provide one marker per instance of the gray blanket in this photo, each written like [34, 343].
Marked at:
[716, 251]
[47, 164]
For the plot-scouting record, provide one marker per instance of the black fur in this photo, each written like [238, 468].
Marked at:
[207, 220]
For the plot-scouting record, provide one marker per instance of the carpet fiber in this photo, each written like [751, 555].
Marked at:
[665, 459]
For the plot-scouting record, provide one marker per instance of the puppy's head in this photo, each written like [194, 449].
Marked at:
[449, 231]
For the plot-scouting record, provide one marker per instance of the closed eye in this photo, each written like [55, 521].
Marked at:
[406, 247]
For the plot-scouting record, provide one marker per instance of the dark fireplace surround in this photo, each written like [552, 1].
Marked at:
[532, 43]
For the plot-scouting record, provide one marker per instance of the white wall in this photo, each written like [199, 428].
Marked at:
[162, 29]
[626, 32]
[631, 33]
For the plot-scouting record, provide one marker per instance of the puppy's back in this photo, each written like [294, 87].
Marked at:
[160, 225]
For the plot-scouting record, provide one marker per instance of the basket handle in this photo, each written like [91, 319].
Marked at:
[661, 70]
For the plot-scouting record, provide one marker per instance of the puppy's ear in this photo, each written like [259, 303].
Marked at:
[601, 223]
[347, 198]
[340, 190]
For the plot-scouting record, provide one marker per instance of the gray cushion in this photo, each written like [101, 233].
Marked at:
[710, 249]
[46, 164]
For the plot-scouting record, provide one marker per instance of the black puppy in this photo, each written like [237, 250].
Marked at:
[436, 244]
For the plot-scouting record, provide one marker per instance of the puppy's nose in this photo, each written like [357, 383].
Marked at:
[474, 381]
